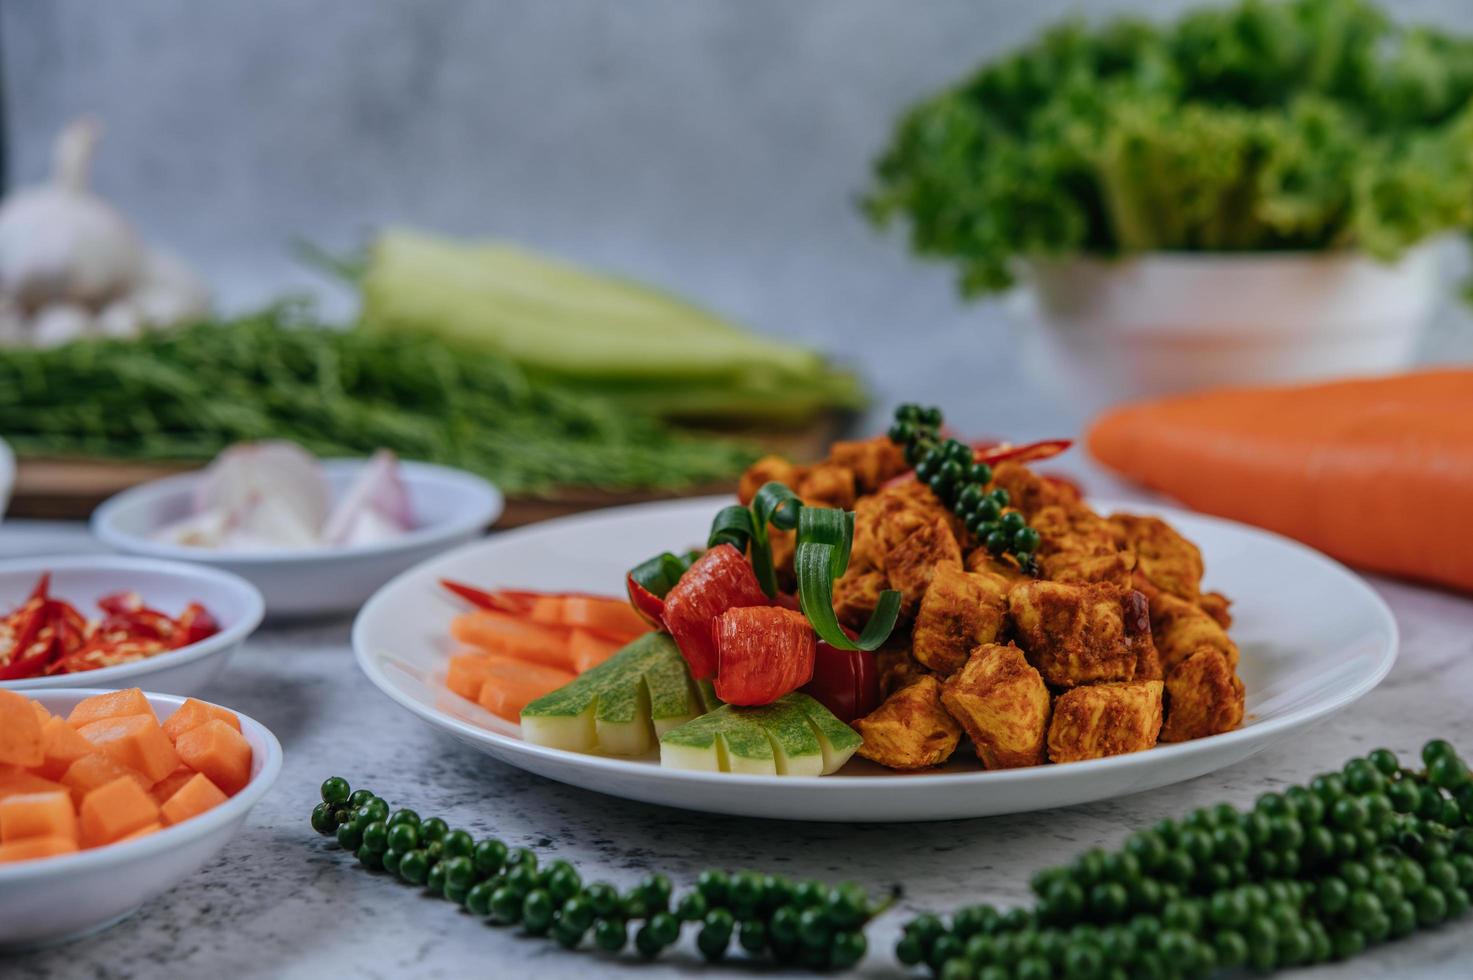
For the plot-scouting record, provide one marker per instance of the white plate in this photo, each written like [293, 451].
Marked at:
[451, 506]
[1314, 638]
[7, 476]
[167, 586]
[53, 899]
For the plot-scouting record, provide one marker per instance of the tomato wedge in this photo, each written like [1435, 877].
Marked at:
[762, 653]
[719, 580]
[844, 681]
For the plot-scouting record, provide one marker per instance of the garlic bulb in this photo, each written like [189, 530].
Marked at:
[169, 292]
[61, 242]
[61, 323]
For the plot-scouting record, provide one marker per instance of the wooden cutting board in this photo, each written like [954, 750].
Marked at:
[69, 489]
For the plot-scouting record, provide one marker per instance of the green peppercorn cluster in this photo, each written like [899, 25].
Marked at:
[805, 922]
[1358, 857]
[948, 467]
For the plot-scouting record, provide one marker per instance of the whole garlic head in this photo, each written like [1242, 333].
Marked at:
[59, 242]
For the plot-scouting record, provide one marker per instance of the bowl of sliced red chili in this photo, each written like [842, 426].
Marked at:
[101, 621]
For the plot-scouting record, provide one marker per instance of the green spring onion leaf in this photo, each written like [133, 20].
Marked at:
[743, 527]
[659, 574]
[824, 537]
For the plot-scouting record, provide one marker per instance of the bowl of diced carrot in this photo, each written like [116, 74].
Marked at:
[109, 798]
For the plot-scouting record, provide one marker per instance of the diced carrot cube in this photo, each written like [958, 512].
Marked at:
[114, 704]
[116, 809]
[193, 713]
[466, 674]
[47, 814]
[135, 741]
[589, 649]
[192, 799]
[95, 770]
[42, 715]
[218, 751]
[62, 746]
[31, 848]
[20, 731]
[169, 785]
[143, 831]
[512, 684]
[16, 781]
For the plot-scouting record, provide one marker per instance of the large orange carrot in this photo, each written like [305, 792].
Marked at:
[1377, 472]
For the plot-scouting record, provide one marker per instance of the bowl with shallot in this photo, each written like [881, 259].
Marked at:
[317, 537]
[115, 620]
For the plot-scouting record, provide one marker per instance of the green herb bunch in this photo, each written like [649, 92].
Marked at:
[279, 374]
[1307, 125]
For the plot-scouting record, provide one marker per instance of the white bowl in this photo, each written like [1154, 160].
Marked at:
[1100, 332]
[58, 898]
[7, 476]
[451, 506]
[168, 586]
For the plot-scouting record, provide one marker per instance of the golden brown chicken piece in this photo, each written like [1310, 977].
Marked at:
[1203, 697]
[828, 485]
[856, 593]
[911, 730]
[1215, 604]
[958, 613]
[1163, 557]
[873, 461]
[1077, 545]
[882, 521]
[912, 563]
[1003, 704]
[981, 561]
[1073, 634]
[1105, 719]
[766, 470]
[1030, 492]
[1180, 627]
[897, 668]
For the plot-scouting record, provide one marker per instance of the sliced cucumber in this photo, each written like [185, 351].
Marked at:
[793, 736]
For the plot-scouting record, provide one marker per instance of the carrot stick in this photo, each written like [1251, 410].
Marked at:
[1376, 472]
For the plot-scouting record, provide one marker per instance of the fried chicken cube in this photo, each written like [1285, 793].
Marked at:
[912, 563]
[1079, 546]
[1180, 627]
[873, 461]
[1163, 557]
[959, 612]
[1030, 492]
[1204, 696]
[828, 484]
[897, 668]
[1215, 604]
[1073, 634]
[911, 729]
[1105, 719]
[856, 593]
[768, 469]
[1136, 610]
[1003, 704]
[882, 521]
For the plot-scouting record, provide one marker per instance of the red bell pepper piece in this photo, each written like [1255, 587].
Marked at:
[844, 681]
[719, 580]
[762, 653]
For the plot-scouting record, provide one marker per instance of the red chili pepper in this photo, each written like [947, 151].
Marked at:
[844, 681]
[26, 638]
[645, 602]
[719, 580]
[194, 624]
[120, 603]
[994, 453]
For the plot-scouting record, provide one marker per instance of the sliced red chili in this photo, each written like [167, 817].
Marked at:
[994, 453]
[719, 580]
[844, 681]
[645, 602]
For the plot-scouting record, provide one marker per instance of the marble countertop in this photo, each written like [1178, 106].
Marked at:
[282, 902]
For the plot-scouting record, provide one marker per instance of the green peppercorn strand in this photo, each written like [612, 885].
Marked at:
[1369, 854]
[949, 468]
[805, 922]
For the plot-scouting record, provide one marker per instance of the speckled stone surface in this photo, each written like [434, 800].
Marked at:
[282, 902]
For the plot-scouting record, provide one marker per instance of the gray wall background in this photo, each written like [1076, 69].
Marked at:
[714, 147]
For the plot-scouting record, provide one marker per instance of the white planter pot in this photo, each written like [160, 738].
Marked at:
[1099, 332]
